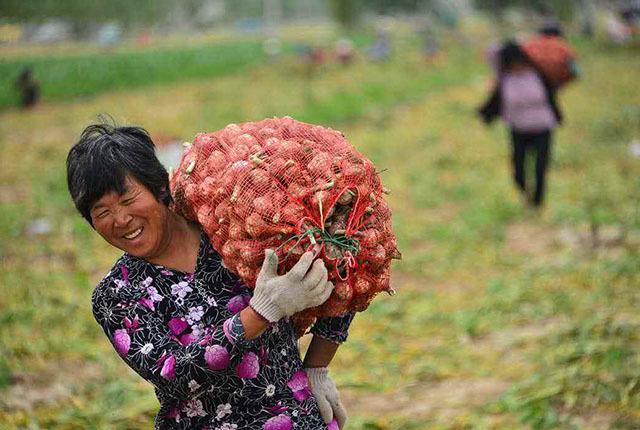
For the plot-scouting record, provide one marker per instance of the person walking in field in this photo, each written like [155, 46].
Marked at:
[29, 89]
[526, 100]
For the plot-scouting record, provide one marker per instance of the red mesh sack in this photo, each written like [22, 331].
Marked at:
[553, 56]
[290, 186]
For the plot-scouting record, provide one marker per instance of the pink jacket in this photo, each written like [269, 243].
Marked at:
[525, 106]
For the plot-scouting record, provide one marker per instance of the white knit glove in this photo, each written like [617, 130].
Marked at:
[327, 396]
[304, 286]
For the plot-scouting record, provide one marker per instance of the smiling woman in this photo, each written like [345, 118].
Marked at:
[104, 156]
[219, 355]
[120, 187]
[137, 223]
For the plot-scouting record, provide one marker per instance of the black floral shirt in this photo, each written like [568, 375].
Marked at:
[182, 333]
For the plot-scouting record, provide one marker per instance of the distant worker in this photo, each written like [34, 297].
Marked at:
[144, 38]
[526, 101]
[624, 25]
[318, 56]
[29, 88]
[431, 48]
[311, 58]
[302, 51]
[380, 50]
[617, 31]
[345, 52]
[630, 14]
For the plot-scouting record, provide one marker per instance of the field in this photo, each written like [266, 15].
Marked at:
[505, 318]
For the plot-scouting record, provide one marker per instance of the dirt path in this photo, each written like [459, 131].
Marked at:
[30, 390]
[442, 400]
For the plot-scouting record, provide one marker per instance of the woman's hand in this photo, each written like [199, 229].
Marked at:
[327, 396]
[304, 286]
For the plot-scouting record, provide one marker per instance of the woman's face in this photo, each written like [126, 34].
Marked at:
[135, 222]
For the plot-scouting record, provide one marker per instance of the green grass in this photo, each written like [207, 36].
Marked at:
[499, 322]
[67, 75]
[70, 76]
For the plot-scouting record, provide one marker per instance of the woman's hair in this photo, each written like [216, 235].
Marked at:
[511, 53]
[104, 156]
[551, 27]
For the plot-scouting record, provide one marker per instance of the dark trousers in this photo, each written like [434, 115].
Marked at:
[537, 144]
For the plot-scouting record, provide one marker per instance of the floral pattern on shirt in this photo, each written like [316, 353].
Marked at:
[182, 332]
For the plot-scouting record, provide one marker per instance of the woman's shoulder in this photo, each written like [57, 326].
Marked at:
[124, 273]
[129, 282]
[113, 279]
[522, 77]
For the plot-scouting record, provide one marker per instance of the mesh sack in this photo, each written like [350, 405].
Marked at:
[290, 186]
[553, 56]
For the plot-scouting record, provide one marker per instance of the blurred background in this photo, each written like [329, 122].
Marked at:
[505, 317]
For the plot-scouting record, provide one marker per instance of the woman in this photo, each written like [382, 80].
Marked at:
[527, 103]
[218, 355]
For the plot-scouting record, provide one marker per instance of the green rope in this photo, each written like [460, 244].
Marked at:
[340, 240]
[298, 238]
